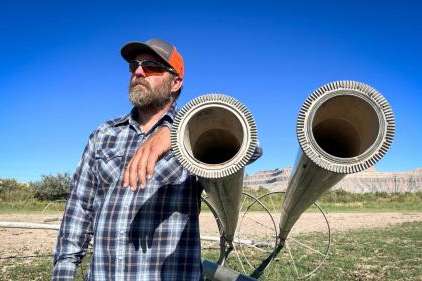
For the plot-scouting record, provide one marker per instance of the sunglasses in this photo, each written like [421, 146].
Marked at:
[150, 67]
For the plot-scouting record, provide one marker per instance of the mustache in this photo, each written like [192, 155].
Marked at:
[139, 81]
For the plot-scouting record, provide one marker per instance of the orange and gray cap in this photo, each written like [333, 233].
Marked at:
[158, 47]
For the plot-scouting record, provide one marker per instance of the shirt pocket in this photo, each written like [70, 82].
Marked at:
[110, 165]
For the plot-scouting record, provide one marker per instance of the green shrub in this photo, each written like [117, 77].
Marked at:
[52, 187]
[11, 190]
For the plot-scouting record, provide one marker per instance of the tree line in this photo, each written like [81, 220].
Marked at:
[49, 188]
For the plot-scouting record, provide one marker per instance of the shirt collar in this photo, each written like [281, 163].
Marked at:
[131, 118]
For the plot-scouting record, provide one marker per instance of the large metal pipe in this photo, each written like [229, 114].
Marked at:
[213, 137]
[343, 127]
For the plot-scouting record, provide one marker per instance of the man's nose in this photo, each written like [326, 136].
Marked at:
[139, 72]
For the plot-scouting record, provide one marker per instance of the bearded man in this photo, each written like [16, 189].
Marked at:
[129, 192]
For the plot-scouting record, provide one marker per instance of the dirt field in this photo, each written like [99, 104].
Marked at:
[17, 242]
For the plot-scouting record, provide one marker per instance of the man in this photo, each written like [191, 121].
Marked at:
[145, 233]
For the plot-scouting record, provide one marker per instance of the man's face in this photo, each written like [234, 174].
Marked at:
[150, 90]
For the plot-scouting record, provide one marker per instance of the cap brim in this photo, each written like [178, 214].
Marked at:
[132, 49]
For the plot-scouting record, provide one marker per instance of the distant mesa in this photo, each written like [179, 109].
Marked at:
[370, 180]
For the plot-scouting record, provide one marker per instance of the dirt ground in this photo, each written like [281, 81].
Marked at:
[20, 242]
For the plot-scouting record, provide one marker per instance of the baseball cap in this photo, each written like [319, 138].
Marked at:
[159, 47]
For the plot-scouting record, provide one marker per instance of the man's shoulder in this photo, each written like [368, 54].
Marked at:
[111, 126]
[124, 119]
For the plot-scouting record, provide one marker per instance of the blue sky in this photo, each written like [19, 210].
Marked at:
[61, 73]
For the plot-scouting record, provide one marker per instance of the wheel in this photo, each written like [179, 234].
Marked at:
[255, 235]
[212, 242]
[308, 244]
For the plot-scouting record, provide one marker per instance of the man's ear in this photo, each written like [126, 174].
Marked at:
[176, 84]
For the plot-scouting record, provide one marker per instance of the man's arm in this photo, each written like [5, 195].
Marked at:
[76, 228]
[141, 167]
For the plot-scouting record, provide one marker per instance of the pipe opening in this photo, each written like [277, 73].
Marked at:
[213, 135]
[345, 126]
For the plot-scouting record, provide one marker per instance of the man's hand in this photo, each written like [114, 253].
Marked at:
[141, 166]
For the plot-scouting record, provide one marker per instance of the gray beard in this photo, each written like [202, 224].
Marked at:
[147, 99]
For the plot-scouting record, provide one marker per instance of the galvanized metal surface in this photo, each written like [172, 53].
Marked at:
[343, 127]
[213, 137]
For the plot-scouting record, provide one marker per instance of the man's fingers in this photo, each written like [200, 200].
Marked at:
[142, 165]
[152, 160]
[126, 174]
[133, 173]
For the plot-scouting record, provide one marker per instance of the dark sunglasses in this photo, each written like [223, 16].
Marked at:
[150, 67]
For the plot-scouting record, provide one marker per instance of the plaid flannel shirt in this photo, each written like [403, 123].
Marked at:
[149, 234]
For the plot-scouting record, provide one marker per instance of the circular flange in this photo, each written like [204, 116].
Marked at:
[362, 161]
[229, 167]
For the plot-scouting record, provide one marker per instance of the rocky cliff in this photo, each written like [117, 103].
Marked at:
[370, 180]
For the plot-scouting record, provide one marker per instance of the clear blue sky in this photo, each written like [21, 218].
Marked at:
[61, 73]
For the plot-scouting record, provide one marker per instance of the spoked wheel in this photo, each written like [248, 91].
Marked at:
[256, 234]
[253, 242]
[307, 246]
[210, 231]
